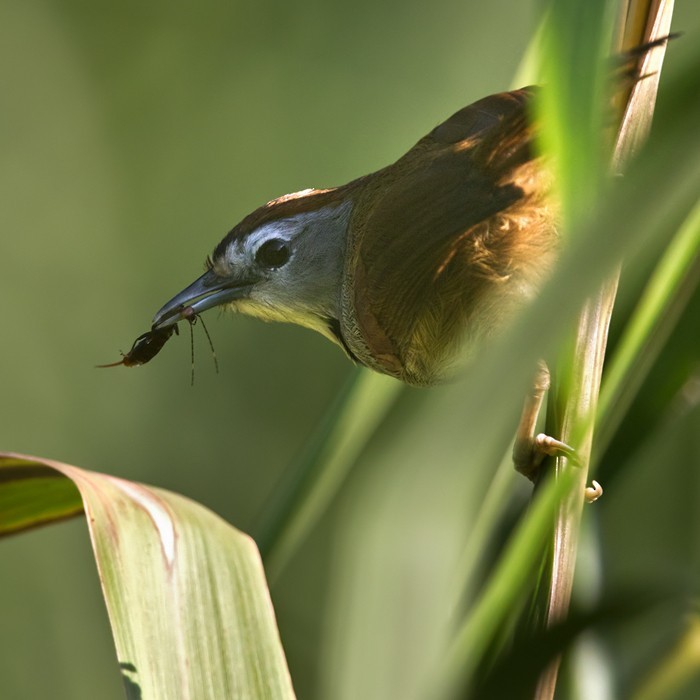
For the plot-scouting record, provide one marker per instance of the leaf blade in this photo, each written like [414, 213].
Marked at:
[185, 592]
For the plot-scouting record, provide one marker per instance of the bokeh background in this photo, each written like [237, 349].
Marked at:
[133, 135]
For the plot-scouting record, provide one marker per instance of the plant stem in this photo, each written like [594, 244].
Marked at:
[575, 427]
[572, 416]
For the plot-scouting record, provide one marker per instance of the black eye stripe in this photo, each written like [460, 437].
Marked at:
[272, 253]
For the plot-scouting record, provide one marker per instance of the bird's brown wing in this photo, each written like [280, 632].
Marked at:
[425, 240]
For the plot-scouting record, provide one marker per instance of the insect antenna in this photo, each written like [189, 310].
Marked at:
[211, 345]
[189, 315]
[192, 322]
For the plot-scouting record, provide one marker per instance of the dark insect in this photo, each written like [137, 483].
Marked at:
[145, 347]
[149, 344]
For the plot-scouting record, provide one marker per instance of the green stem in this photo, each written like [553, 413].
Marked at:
[575, 427]
[582, 371]
[673, 280]
[517, 564]
[304, 496]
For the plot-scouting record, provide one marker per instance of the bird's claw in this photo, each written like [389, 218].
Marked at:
[551, 447]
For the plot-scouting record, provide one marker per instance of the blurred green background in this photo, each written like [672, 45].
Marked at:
[133, 136]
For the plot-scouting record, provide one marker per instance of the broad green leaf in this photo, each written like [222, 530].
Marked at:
[185, 591]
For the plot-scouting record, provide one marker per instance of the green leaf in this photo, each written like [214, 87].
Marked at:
[33, 495]
[185, 591]
[674, 279]
[304, 496]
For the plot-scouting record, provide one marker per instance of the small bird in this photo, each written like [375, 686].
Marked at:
[399, 267]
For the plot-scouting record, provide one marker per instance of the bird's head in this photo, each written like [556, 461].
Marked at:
[283, 262]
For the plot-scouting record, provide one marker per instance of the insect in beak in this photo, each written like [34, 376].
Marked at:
[149, 344]
[145, 347]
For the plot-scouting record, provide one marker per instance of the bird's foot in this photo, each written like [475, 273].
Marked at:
[528, 456]
[529, 453]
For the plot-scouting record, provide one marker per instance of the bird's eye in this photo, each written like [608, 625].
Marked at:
[272, 253]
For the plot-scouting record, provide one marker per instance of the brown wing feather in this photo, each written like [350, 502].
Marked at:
[440, 230]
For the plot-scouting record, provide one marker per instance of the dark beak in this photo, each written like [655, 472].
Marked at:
[205, 293]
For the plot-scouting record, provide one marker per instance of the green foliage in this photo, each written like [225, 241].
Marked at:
[121, 170]
[186, 593]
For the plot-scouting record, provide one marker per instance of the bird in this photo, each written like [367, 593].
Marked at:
[411, 267]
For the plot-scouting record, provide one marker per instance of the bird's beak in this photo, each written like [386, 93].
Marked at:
[204, 293]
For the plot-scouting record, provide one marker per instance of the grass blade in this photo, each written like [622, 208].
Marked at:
[303, 498]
